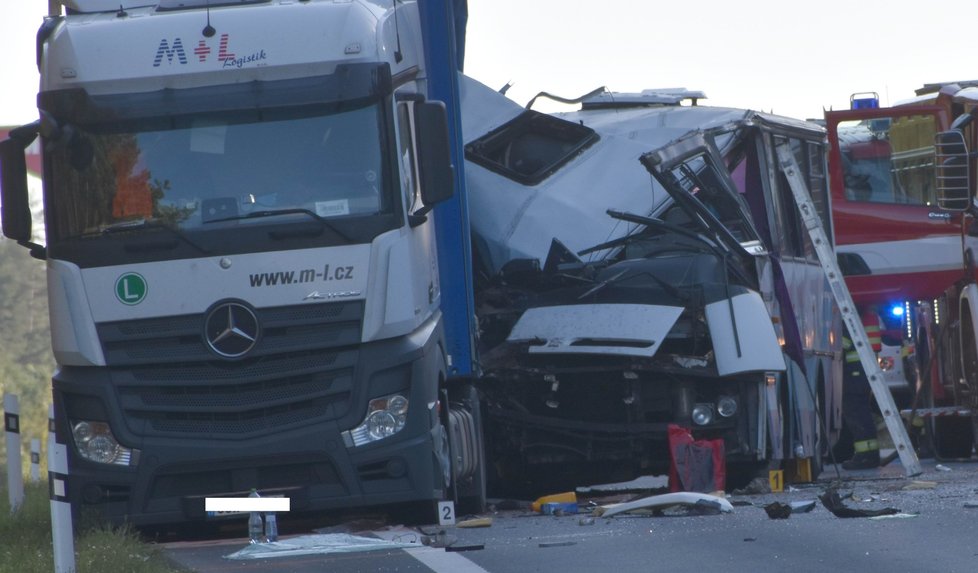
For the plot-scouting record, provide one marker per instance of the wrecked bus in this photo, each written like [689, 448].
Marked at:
[641, 263]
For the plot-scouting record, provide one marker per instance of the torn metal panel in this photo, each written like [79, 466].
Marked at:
[666, 500]
[833, 502]
[743, 336]
[622, 329]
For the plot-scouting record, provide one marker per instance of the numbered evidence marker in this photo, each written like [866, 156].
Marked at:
[776, 479]
[131, 288]
[446, 513]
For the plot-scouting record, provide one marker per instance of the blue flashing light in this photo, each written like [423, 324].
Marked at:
[897, 310]
[865, 103]
[869, 100]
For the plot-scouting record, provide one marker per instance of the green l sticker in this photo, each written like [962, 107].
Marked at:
[131, 288]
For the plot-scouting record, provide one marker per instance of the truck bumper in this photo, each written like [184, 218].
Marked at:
[174, 469]
[620, 427]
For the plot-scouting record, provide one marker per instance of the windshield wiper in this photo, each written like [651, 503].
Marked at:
[121, 226]
[141, 224]
[291, 211]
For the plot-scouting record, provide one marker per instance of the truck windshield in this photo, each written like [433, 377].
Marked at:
[889, 159]
[211, 171]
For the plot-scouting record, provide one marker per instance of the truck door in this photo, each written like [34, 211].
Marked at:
[891, 237]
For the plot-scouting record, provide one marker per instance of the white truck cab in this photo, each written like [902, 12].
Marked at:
[242, 271]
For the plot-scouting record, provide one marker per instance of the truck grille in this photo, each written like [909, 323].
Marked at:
[302, 370]
[180, 338]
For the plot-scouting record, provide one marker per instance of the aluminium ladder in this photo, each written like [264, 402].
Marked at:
[826, 257]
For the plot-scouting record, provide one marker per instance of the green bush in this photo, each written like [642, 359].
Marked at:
[27, 546]
[26, 361]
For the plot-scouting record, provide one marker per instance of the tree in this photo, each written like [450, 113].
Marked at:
[26, 361]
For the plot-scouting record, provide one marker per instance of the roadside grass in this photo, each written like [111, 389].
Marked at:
[26, 547]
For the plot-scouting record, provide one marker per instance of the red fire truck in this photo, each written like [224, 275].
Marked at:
[907, 251]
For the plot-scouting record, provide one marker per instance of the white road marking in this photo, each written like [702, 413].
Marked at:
[441, 561]
[435, 558]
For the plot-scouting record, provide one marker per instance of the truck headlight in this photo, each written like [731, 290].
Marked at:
[385, 417]
[727, 406]
[702, 414]
[95, 442]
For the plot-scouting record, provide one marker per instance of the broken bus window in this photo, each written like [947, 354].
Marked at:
[531, 147]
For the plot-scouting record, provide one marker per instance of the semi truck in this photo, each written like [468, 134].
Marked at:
[905, 237]
[641, 263]
[241, 257]
[246, 243]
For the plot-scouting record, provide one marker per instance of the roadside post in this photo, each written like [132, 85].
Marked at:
[35, 460]
[61, 533]
[15, 475]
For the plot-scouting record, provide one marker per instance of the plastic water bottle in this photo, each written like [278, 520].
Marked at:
[255, 523]
[271, 527]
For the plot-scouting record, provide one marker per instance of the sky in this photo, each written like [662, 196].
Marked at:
[790, 58]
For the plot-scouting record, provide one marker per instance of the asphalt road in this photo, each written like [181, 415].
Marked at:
[935, 530]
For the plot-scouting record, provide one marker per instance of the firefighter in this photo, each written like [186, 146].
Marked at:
[857, 397]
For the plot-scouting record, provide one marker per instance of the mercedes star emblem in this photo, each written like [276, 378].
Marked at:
[231, 330]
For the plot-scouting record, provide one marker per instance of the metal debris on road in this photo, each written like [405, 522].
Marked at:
[557, 544]
[758, 485]
[778, 510]
[919, 484]
[900, 515]
[439, 539]
[832, 502]
[702, 502]
[802, 506]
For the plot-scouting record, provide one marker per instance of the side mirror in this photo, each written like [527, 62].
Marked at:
[434, 152]
[15, 209]
[952, 171]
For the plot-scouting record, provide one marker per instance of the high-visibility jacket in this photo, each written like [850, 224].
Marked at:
[871, 324]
